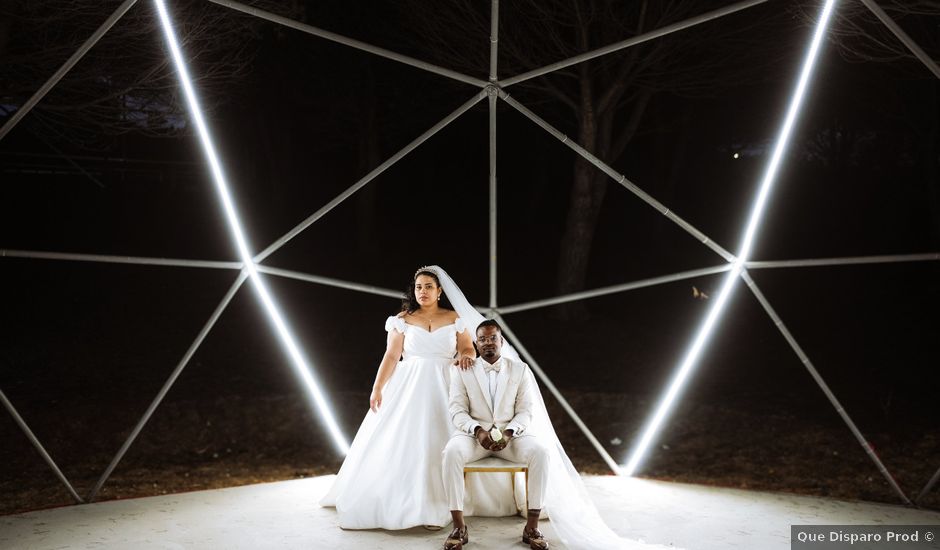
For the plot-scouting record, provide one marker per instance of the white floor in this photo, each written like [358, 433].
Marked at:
[285, 515]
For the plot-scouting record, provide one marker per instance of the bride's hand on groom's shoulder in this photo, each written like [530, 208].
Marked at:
[465, 361]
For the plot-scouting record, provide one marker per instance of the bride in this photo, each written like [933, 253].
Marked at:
[391, 478]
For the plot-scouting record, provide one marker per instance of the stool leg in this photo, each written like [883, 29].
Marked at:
[526, 490]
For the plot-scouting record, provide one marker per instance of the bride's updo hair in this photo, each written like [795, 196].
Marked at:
[408, 302]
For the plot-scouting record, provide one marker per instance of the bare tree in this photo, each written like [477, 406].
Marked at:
[126, 82]
[861, 37]
[602, 100]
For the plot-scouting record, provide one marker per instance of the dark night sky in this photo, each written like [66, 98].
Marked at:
[288, 138]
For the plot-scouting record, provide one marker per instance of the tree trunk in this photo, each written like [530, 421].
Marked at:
[595, 134]
[931, 175]
[675, 155]
[932, 165]
[587, 195]
[268, 169]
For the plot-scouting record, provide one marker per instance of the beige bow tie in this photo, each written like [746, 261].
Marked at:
[488, 368]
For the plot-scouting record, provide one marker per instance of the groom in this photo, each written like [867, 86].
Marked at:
[491, 406]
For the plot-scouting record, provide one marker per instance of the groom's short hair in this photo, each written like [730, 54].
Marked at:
[489, 323]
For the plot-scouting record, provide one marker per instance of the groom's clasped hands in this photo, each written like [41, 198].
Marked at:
[487, 440]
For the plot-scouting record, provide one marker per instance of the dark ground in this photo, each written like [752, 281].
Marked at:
[225, 442]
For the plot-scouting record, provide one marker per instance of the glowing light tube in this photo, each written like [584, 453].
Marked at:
[231, 215]
[665, 404]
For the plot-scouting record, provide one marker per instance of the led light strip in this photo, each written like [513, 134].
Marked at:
[286, 339]
[665, 404]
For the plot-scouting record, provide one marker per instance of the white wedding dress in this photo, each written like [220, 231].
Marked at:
[391, 478]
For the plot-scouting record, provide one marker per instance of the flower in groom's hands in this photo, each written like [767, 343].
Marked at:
[496, 434]
[483, 437]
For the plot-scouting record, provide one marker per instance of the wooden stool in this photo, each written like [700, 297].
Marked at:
[494, 464]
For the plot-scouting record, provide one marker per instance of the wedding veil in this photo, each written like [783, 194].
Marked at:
[574, 517]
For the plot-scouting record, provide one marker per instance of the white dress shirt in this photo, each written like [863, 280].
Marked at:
[493, 378]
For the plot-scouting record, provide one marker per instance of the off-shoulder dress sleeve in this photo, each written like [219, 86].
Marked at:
[395, 322]
[460, 324]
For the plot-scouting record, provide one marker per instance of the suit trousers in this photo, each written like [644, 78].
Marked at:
[527, 449]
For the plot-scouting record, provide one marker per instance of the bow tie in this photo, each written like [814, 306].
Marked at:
[488, 368]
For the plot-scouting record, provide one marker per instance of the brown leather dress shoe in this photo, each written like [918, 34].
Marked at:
[457, 538]
[535, 539]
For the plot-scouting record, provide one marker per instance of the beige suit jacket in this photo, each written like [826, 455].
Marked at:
[470, 398]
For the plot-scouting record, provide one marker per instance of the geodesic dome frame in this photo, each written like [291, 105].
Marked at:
[494, 89]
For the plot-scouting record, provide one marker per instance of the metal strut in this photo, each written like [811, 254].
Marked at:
[788, 336]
